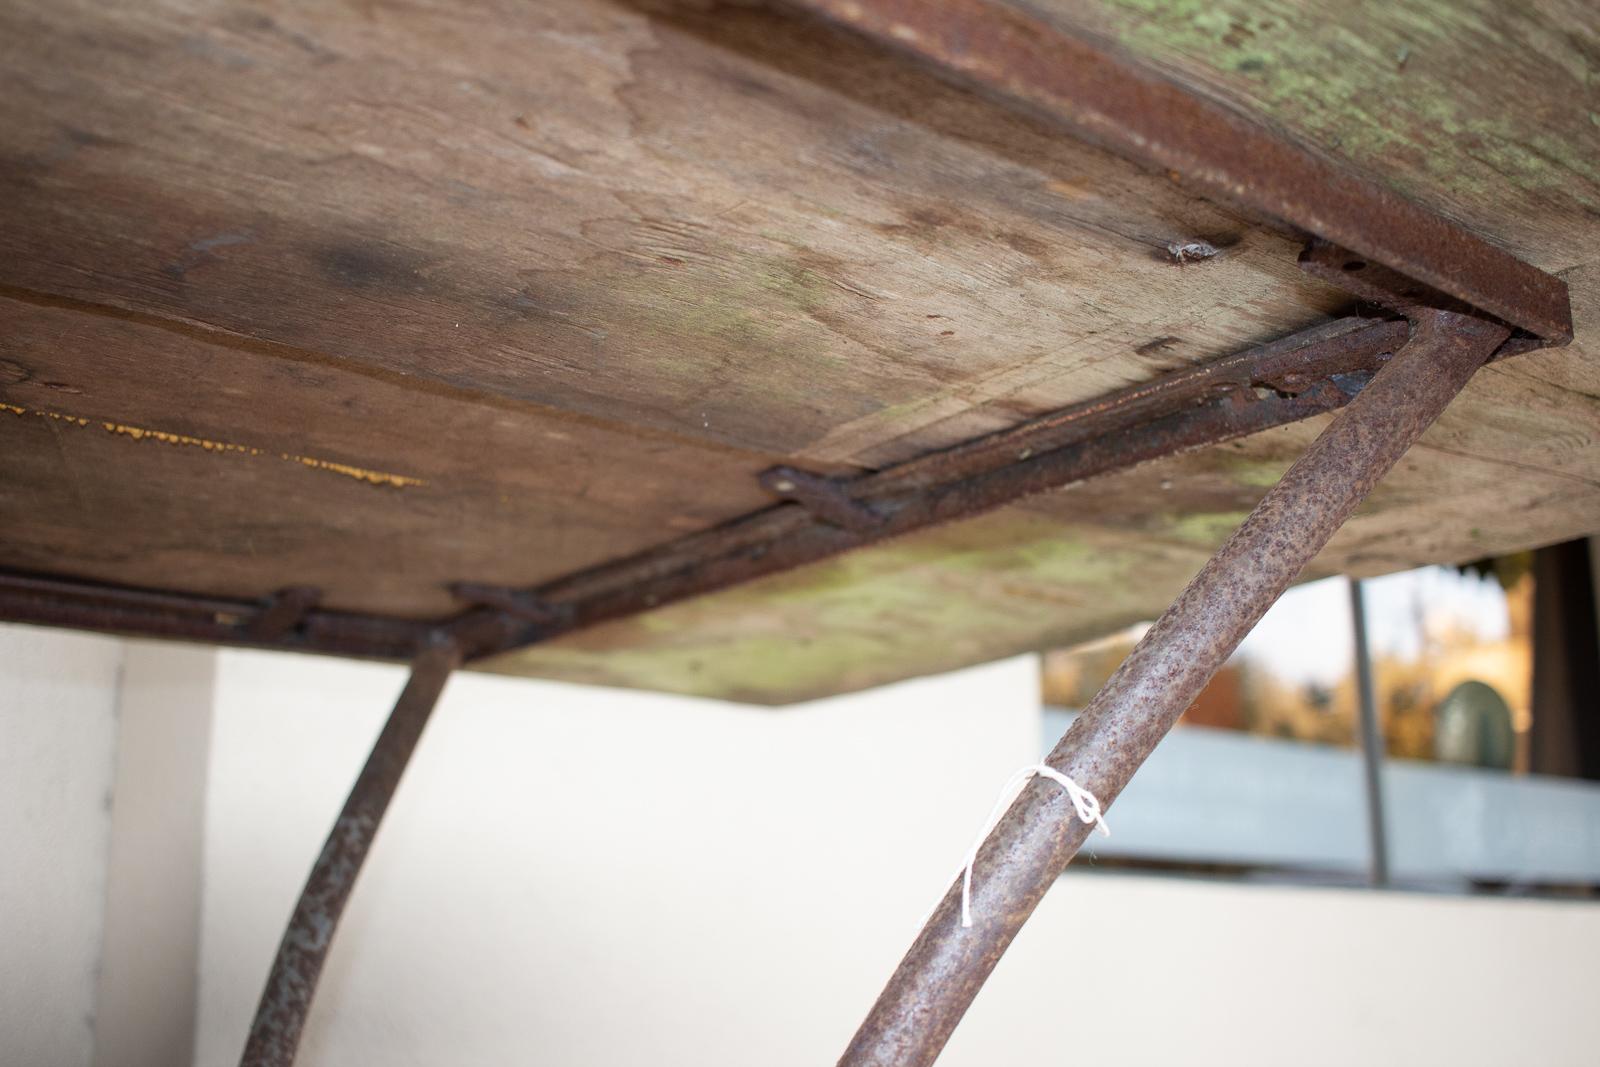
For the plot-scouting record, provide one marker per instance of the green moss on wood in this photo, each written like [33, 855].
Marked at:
[963, 595]
[1415, 92]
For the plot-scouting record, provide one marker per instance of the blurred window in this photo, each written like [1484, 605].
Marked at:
[1264, 775]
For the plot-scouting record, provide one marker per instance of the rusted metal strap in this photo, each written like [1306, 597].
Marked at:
[1309, 373]
[1388, 288]
[50, 601]
[286, 998]
[1038, 836]
[1109, 99]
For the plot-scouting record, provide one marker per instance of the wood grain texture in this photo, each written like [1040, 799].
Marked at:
[1486, 114]
[574, 204]
[573, 272]
[171, 458]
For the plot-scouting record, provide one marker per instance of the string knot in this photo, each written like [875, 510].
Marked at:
[1084, 803]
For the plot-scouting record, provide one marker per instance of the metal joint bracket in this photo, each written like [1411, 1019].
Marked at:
[1388, 288]
[825, 498]
[517, 603]
[283, 612]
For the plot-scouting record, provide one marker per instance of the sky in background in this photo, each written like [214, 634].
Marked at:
[1306, 637]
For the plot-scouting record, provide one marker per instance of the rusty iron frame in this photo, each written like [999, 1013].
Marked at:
[1392, 400]
[48, 600]
[1450, 302]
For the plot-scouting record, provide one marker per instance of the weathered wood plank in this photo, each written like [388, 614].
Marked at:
[930, 602]
[1486, 114]
[835, 257]
[1482, 111]
[563, 277]
[173, 458]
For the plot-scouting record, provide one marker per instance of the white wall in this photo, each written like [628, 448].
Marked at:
[574, 876]
[58, 695]
[579, 876]
[149, 961]
[1139, 970]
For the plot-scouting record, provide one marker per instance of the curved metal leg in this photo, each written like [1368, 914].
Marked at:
[275, 1034]
[1039, 835]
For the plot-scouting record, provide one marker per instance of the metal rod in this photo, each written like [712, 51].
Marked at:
[286, 999]
[1038, 836]
[52, 601]
[1371, 741]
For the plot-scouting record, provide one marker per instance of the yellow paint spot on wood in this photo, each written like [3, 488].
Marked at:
[139, 433]
[145, 433]
[15, 410]
[399, 481]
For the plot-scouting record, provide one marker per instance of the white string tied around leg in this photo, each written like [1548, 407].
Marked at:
[1083, 802]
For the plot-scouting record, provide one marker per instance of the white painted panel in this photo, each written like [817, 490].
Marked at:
[57, 737]
[1123, 970]
[1462, 822]
[1218, 796]
[145, 1014]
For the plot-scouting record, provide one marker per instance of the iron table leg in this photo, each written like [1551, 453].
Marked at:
[1039, 834]
[286, 1000]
